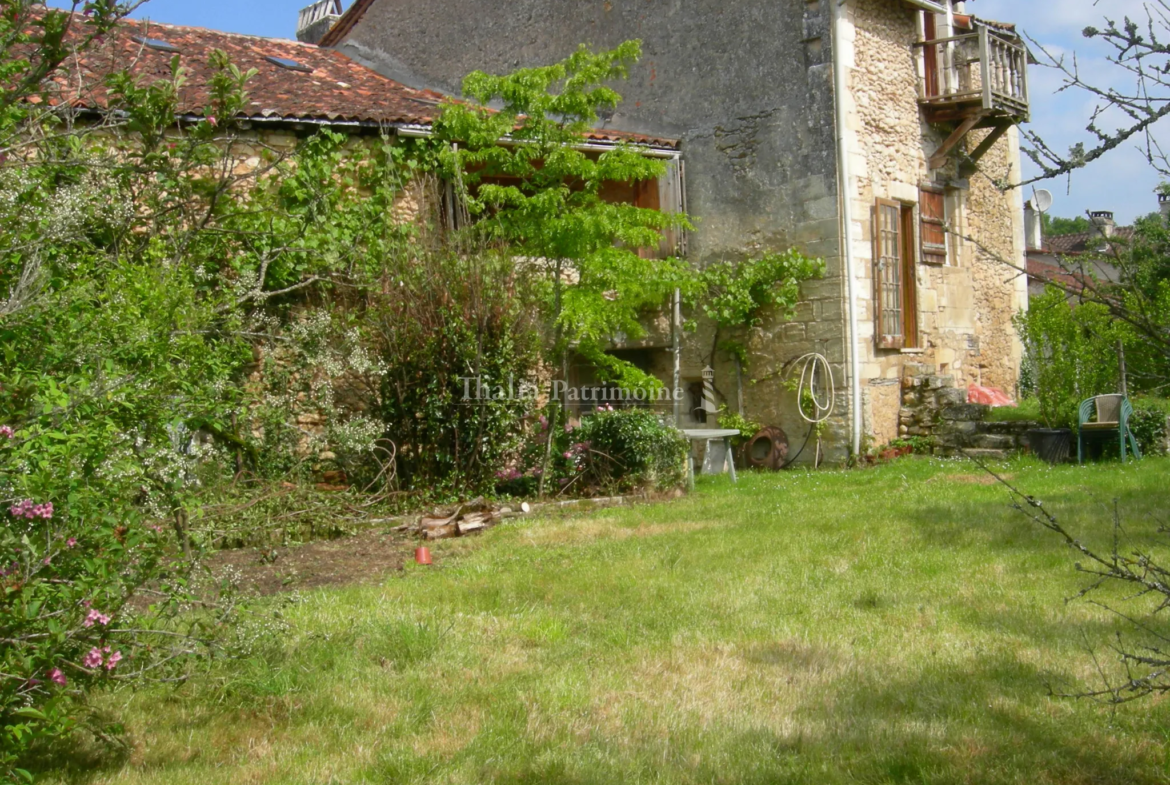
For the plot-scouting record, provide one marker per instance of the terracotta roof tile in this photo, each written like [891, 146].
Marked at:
[1082, 242]
[333, 89]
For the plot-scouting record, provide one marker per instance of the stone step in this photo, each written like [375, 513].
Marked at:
[984, 454]
[1010, 428]
[991, 441]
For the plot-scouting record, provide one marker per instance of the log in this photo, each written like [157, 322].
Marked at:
[435, 523]
[467, 527]
[442, 532]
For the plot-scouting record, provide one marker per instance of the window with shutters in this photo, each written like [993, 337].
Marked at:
[932, 209]
[895, 278]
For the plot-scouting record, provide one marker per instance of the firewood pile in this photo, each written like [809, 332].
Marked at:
[462, 520]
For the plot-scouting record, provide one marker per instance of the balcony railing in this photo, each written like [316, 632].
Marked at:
[982, 71]
[318, 11]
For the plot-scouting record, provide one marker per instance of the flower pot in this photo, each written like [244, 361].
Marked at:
[422, 556]
[1053, 445]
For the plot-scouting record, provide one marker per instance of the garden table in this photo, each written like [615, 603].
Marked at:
[719, 452]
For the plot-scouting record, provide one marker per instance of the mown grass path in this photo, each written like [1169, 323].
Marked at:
[899, 624]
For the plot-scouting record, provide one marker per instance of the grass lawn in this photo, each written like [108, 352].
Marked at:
[898, 624]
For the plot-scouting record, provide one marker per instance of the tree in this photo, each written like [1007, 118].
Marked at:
[1055, 226]
[141, 265]
[1140, 55]
[530, 188]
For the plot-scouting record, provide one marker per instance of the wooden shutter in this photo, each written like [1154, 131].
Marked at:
[933, 213]
[672, 200]
[889, 242]
[931, 85]
[909, 281]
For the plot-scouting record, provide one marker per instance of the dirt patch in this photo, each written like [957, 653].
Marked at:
[364, 558]
[970, 479]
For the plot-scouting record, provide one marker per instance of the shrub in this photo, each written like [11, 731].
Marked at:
[1148, 424]
[632, 448]
[1072, 353]
[731, 421]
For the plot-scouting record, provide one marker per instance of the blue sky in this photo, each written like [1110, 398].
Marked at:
[1122, 181]
[273, 18]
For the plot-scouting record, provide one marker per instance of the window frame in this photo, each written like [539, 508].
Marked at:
[899, 270]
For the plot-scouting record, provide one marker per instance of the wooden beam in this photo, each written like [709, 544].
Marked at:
[939, 159]
[989, 142]
[967, 168]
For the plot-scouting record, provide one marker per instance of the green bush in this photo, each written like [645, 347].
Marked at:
[1071, 354]
[633, 448]
[1148, 424]
[731, 421]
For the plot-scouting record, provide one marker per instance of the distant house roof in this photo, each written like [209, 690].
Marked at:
[1039, 269]
[293, 82]
[1082, 242]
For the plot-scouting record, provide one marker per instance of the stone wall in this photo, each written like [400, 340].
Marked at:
[745, 86]
[966, 306]
[932, 407]
[748, 88]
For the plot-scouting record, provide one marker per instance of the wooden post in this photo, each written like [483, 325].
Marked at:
[676, 347]
[739, 383]
[1121, 360]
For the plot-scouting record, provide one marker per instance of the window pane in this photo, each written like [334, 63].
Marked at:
[890, 270]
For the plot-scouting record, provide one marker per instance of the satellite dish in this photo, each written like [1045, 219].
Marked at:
[1042, 199]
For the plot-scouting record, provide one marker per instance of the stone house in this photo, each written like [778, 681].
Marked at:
[873, 133]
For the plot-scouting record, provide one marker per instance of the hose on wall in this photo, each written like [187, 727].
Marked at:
[823, 399]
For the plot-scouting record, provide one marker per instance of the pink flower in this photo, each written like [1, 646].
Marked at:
[93, 659]
[212, 121]
[47, 561]
[568, 456]
[71, 542]
[113, 660]
[96, 617]
[57, 677]
[26, 508]
[6, 431]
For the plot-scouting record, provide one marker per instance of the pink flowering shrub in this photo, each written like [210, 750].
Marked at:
[27, 508]
[521, 477]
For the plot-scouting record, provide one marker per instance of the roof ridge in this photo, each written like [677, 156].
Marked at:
[251, 36]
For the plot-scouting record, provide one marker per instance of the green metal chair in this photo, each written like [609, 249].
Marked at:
[1112, 413]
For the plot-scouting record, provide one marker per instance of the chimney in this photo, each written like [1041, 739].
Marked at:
[1164, 205]
[1102, 220]
[1033, 227]
[316, 20]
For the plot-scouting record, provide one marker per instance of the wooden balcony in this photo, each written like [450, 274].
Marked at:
[982, 74]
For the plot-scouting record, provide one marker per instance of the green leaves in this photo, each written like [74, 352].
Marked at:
[737, 293]
[530, 186]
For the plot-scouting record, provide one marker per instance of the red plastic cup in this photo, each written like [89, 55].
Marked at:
[422, 556]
